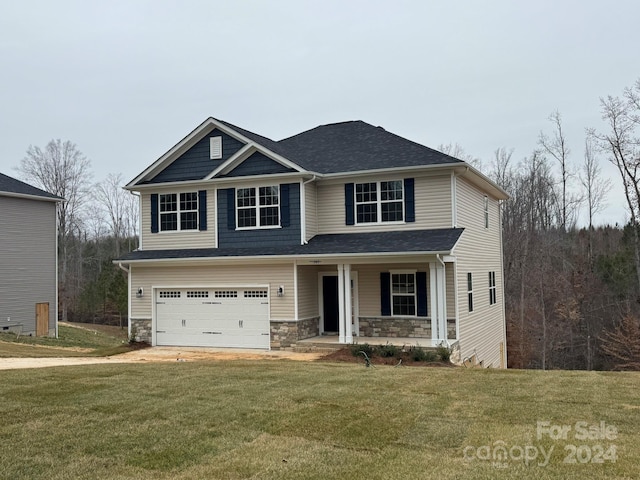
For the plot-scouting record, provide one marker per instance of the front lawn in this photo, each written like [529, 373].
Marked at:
[297, 420]
[73, 341]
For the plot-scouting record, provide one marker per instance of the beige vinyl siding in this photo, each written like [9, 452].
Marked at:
[478, 251]
[311, 210]
[432, 199]
[274, 275]
[170, 240]
[307, 292]
[450, 287]
[27, 261]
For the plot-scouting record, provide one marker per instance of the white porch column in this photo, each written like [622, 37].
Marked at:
[438, 301]
[348, 314]
[341, 316]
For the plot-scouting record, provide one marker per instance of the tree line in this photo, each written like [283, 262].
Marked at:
[96, 223]
[572, 294]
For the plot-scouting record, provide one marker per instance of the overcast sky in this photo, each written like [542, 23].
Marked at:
[126, 80]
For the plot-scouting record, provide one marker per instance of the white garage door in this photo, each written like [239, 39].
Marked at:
[220, 317]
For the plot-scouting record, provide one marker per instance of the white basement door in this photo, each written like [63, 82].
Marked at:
[220, 317]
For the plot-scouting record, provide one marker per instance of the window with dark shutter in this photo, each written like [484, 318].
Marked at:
[409, 200]
[348, 204]
[154, 213]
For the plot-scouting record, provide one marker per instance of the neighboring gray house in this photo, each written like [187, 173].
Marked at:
[28, 259]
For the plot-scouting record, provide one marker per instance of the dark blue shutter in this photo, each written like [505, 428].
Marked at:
[231, 208]
[348, 204]
[385, 294]
[421, 286]
[409, 200]
[284, 205]
[202, 209]
[154, 213]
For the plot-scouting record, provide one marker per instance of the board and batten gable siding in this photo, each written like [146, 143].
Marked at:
[432, 205]
[274, 275]
[311, 210]
[255, 238]
[196, 163]
[478, 251]
[173, 240]
[258, 164]
[27, 261]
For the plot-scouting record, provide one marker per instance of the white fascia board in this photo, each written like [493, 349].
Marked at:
[479, 179]
[312, 259]
[31, 197]
[392, 171]
[220, 182]
[236, 160]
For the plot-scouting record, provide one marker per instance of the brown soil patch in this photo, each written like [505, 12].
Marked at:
[403, 358]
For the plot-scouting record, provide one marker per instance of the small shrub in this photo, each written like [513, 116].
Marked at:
[388, 350]
[356, 348]
[421, 355]
[443, 352]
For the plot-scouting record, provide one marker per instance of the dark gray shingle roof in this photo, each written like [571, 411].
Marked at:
[11, 185]
[357, 145]
[407, 241]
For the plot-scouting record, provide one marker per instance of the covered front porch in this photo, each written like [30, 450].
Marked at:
[401, 300]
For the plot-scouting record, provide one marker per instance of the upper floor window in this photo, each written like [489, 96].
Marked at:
[492, 288]
[379, 202]
[486, 212]
[258, 207]
[470, 291]
[178, 211]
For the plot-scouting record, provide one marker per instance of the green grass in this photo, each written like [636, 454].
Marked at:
[298, 420]
[87, 342]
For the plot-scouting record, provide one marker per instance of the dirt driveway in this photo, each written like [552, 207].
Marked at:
[160, 354]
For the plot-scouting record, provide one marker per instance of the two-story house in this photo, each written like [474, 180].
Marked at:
[345, 229]
[28, 259]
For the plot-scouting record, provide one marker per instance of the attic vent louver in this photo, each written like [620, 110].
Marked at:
[215, 144]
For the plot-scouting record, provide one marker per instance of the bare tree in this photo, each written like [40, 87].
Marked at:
[621, 145]
[117, 206]
[63, 170]
[556, 146]
[457, 151]
[595, 187]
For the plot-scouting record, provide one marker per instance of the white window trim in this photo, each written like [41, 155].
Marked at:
[215, 148]
[178, 212]
[257, 209]
[415, 291]
[378, 203]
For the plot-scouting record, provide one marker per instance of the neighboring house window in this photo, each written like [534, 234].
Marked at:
[486, 212]
[403, 294]
[258, 207]
[379, 202]
[178, 211]
[215, 148]
[470, 291]
[492, 288]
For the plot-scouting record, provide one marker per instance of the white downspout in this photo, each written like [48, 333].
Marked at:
[303, 210]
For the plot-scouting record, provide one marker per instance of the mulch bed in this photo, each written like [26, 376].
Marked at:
[403, 358]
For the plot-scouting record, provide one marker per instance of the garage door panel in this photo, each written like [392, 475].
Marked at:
[225, 317]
